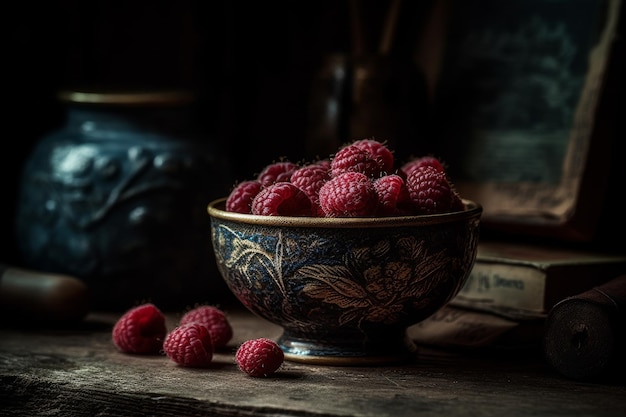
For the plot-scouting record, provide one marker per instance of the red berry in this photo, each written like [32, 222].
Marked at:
[379, 152]
[354, 159]
[282, 199]
[393, 196]
[310, 179]
[276, 172]
[189, 345]
[323, 163]
[214, 320]
[140, 330]
[410, 166]
[259, 357]
[457, 201]
[240, 198]
[430, 190]
[350, 194]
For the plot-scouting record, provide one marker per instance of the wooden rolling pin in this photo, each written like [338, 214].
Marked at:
[41, 297]
[585, 336]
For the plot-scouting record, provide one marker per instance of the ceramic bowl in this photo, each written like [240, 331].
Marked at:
[345, 290]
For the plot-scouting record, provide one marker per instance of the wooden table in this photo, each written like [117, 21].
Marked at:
[78, 372]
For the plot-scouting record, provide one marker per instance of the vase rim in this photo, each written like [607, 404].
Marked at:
[130, 98]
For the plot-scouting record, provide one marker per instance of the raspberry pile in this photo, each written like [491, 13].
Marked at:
[200, 332]
[360, 180]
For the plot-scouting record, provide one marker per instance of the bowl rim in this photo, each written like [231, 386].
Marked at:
[473, 210]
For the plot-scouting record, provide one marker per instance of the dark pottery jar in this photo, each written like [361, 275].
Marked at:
[118, 196]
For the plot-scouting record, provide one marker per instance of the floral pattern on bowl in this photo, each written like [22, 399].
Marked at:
[343, 291]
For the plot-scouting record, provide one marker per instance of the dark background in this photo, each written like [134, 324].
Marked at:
[252, 65]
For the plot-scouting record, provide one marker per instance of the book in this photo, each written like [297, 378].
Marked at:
[524, 281]
[458, 328]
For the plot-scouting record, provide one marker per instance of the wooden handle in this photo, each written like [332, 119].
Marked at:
[585, 336]
[42, 297]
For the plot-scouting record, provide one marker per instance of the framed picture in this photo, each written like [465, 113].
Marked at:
[526, 110]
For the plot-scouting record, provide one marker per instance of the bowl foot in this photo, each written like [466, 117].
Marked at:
[379, 351]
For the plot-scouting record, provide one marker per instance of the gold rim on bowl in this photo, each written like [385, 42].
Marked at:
[217, 210]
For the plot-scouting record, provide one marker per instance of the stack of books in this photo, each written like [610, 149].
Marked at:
[510, 291]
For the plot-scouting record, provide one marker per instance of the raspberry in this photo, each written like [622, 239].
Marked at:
[379, 152]
[189, 345]
[240, 198]
[457, 202]
[323, 163]
[282, 199]
[430, 190]
[214, 320]
[354, 159]
[140, 330]
[410, 166]
[259, 357]
[310, 179]
[350, 194]
[393, 196]
[276, 172]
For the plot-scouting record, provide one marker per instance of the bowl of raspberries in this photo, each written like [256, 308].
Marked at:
[346, 253]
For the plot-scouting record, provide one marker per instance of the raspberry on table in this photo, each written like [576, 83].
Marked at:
[140, 330]
[276, 172]
[393, 196]
[282, 199]
[430, 190]
[214, 320]
[350, 194]
[189, 345]
[354, 159]
[310, 179]
[259, 357]
[379, 152]
[240, 198]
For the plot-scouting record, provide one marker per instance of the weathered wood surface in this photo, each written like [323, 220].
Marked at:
[78, 372]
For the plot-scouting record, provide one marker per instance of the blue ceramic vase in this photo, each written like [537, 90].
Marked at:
[117, 197]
